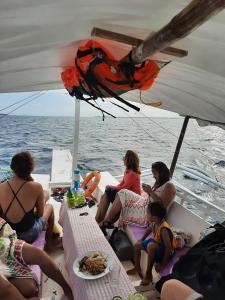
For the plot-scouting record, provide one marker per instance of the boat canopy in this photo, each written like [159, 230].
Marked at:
[39, 39]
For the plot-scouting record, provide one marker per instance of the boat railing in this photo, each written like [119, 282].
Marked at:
[206, 210]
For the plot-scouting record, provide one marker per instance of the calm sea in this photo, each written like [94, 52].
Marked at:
[103, 144]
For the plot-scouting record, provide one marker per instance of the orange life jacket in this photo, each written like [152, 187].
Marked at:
[157, 235]
[98, 74]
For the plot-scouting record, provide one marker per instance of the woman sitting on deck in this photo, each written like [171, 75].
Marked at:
[160, 247]
[132, 208]
[131, 181]
[22, 202]
[17, 255]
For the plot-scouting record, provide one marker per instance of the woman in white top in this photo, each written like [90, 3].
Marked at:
[133, 207]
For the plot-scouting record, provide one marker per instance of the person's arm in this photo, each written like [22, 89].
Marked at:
[40, 202]
[167, 196]
[146, 233]
[10, 292]
[168, 249]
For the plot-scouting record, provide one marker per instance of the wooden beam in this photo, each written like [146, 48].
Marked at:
[189, 19]
[133, 41]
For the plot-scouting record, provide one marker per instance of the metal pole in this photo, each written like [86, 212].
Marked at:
[76, 135]
[179, 143]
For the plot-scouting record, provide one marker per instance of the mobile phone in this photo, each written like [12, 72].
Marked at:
[84, 214]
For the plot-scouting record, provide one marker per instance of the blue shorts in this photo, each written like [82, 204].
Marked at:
[32, 234]
[159, 253]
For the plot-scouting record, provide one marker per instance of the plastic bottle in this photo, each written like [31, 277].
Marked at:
[70, 199]
[76, 179]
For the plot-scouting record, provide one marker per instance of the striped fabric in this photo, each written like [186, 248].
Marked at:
[134, 208]
[80, 235]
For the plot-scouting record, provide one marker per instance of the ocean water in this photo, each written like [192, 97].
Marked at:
[103, 144]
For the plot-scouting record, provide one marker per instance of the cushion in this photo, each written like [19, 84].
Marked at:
[169, 267]
[137, 231]
[39, 243]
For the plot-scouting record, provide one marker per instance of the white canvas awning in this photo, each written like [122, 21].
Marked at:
[38, 39]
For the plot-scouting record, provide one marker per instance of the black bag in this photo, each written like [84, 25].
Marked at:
[203, 267]
[121, 245]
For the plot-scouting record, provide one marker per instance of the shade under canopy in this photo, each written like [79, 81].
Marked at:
[38, 39]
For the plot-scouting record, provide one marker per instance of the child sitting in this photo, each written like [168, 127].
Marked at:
[159, 247]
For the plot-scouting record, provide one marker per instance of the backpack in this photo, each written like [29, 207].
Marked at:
[203, 267]
[121, 245]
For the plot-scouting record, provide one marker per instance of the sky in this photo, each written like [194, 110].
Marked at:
[60, 103]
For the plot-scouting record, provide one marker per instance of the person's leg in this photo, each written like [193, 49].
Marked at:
[9, 292]
[176, 290]
[102, 208]
[137, 258]
[152, 249]
[114, 211]
[46, 196]
[27, 287]
[35, 256]
[50, 220]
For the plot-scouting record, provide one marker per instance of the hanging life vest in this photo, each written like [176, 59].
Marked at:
[98, 74]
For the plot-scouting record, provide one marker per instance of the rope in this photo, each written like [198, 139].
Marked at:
[18, 107]
[172, 133]
[21, 100]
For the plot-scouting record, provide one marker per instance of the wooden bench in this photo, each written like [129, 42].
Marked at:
[44, 180]
[61, 174]
[179, 217]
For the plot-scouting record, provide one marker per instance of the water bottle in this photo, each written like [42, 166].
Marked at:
[76, 179]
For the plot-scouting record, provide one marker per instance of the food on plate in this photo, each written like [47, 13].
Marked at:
[93, 264]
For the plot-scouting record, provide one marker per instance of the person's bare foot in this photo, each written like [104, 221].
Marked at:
[146, 280]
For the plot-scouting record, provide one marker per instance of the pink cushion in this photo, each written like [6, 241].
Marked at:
[169, 267]
[39, 243]
[137, 231]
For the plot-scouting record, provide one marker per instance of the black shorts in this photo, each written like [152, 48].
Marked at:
[111, 194]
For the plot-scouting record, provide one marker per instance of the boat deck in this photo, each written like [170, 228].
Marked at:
[180, 216]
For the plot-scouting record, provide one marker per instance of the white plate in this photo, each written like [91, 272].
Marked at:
[89, 276]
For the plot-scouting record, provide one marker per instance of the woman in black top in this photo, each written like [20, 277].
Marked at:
[22, 202]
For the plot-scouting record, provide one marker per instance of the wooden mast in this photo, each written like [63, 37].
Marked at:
[190, 18]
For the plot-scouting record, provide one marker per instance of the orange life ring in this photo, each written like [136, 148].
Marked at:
[88, 192]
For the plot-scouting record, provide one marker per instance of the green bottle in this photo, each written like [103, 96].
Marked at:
[70, 199]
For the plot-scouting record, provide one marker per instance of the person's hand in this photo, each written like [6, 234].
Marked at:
[147, 188]
[158, 268]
